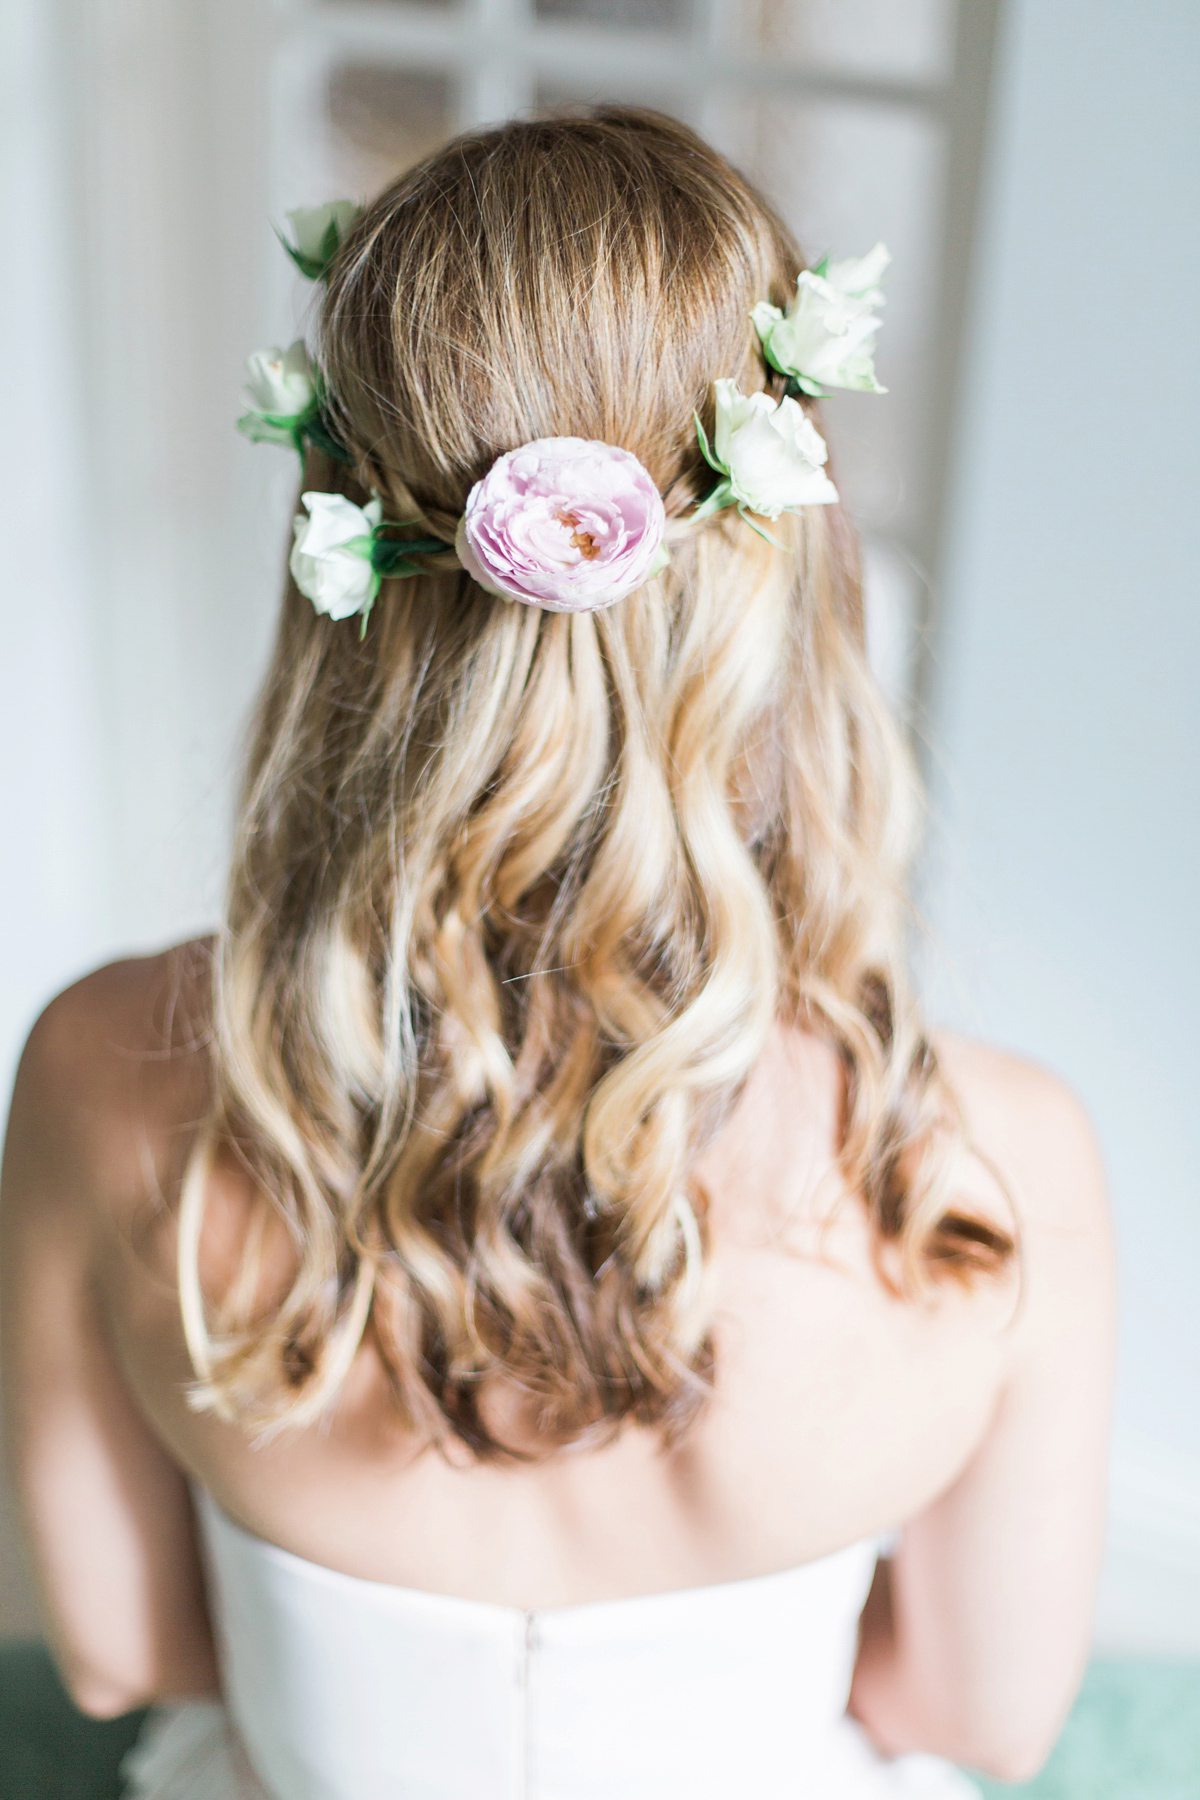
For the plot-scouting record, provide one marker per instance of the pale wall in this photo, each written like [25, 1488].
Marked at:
[1066, 867]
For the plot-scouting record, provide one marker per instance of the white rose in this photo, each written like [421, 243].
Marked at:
[861, 276]
[318, 230]
[826, 339]
[281, 381]
[328, 565]
[773, 454]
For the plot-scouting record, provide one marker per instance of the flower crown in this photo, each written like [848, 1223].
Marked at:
[565, 523]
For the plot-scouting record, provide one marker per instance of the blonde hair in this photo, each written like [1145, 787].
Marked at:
[516, 896]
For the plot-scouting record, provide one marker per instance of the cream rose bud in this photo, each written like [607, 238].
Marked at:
[773, 454]
[826, 339]
[310, 227]
[281, 381]
[329, 564]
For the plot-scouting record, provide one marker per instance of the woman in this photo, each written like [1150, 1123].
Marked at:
[486, 1312]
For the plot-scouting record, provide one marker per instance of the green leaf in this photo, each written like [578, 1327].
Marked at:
[803, 384]
[822, 268]
[392, 557]
[315, 268]
[365, 611]
[746, 519]
[286, 421]
[707, 454]
[330, 244]
[659, 561]
[263, 428]
[307, 265]
[362, 545]
[717, 501]
[319, 435]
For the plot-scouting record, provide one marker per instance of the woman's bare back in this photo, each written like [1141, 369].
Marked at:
[839, 1410]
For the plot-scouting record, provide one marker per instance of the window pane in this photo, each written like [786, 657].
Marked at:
[912, 39]
[653, 15]
[553, 94]
[383, 5]
[381, 120]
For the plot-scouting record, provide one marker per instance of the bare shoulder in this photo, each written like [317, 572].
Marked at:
[1027, 1121]
[115, 1065]
[1034, 1147]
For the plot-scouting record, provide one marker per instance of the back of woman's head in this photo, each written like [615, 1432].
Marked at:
[517, 894]
[564, 278]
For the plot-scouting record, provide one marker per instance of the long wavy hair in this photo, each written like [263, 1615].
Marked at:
[517, 895]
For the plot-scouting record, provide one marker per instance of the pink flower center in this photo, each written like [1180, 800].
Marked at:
[562, 523]
[583, 541]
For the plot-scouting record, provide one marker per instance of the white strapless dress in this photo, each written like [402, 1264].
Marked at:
[341, 1689]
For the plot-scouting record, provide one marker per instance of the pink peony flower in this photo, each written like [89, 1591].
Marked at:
[563, 523]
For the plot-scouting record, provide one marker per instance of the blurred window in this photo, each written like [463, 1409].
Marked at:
[382, 119]
[653, 15]
[913, 38]
[382, 4]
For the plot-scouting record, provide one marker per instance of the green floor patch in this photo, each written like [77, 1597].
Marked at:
[48, 1749]
[1133, 1734]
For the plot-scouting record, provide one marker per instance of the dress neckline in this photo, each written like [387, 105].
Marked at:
[746, 1587]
